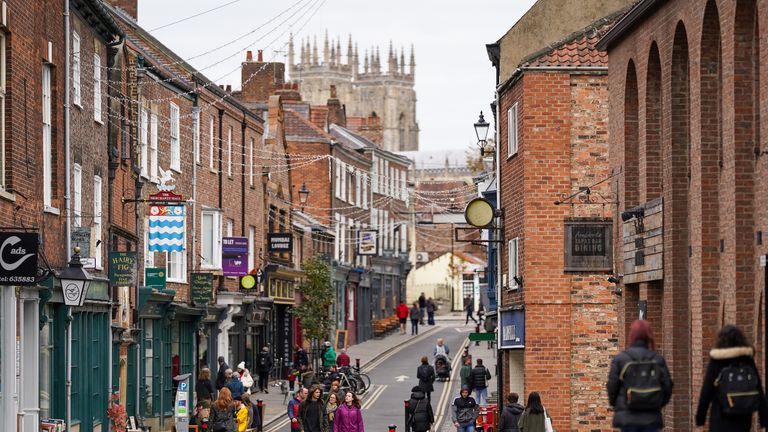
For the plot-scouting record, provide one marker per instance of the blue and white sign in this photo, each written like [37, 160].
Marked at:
[166, 228]
[512, 329]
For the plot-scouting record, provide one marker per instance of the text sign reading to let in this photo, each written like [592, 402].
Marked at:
[234, 253]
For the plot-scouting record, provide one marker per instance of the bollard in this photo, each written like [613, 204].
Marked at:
[260, 407]
[392, 428]
[407, 405]
[357, 363]
[477, 330]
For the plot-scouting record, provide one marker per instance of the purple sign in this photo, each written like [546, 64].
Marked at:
[234, 253]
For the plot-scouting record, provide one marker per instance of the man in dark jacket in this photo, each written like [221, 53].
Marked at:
[465, 372]
[263, 366]
[640, 349]
[479, 379]
[221, 376]
[422, 308]
[464, 411]
[420, 414]
[426, 375]
[510, 414]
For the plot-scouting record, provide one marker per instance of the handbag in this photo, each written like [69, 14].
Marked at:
[548, 423]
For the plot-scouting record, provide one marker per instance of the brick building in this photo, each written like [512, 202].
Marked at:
[554, 183]
[685, 123]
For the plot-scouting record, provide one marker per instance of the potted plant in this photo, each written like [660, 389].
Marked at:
[116, 414]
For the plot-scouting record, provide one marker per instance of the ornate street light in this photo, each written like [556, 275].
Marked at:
[75, 281]
[303, 195]
[481, 130]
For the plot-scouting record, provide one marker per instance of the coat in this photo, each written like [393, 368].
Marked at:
[426, 375]
[343, 359]
[204, 389]
[719, 359]
[465, 373]
[420, 415]
[236, 387]
[225, 417]
[464, 410]
[263, 362]
[329, 357]
[617, 394]
[348, 419]
[241, 418]
[414, 313]
[402, 311]
[301, 358]
[322, 418]
[509, 418]
[479, 377]
[530, 422]
[221, 376]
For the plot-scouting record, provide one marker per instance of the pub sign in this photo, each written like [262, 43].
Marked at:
[280, 242]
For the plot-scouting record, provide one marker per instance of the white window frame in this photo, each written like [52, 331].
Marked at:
[149, 256]
[212, 138]
[77, 194]
[97, 204]
[513, 265]
[343, 174]
[512, 130]
[196, 133]
[215, 233]
[337, 191]
[251, 247]
[47, 144]
[337, 237]
[230, 227]
[97, 87]
[375, 175]
[175, 139]
[176, 264]
[358, 188]
[76, 67]
[229, 151]
[153, 124]
[251, 175]
[143, 136]
[365, 191]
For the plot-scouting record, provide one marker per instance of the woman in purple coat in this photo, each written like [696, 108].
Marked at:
[349, 417]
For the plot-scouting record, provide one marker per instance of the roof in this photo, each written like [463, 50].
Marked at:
[298, 126]
[349, 138]
[472, 259]
[636, 14]
[96, 16]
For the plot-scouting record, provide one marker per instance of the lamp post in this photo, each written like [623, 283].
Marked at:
[481, 130]
[303, 195]
[75, 282]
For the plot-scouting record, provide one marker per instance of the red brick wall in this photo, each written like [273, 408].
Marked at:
[710, 175]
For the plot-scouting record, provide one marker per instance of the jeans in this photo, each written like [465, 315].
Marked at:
[466, 428]
[414, 327]
[639, 429]
[481, 396]
[421, 314]
[431, 318]
[470, 317]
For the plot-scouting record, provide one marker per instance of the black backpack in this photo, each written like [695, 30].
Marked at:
[642, 380]
[738, 389]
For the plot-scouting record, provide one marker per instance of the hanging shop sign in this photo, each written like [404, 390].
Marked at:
[279, 242]
[155, 277]
[512, 329]
[588, 245]
[81, 237]
[166, 228]
[122, 268]
[18, 258]
[234, 254]
[201, 287]
[367, 242]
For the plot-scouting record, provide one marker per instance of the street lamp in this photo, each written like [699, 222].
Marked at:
[481, 130]
[303, 195]
[75, 282]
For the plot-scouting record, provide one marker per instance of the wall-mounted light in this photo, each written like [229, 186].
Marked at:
[303, 195]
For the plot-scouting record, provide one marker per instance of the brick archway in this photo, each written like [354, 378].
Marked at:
[651, 169]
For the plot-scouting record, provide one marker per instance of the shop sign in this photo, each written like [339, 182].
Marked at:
[18, 258]
[81, 237]
[234, 253]
[367, 242]
[201, 287]
[155, 277]
[588, 245]
[512, 329]
[122, 268]
[279, 242]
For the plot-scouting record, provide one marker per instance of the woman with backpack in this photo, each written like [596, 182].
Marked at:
[732, 385]
[639, 385]
[425, 373]
[534, 418]
[420, 415]
[223, 413]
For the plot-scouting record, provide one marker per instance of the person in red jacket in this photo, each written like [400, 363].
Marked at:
[343, 358]
[402, 315]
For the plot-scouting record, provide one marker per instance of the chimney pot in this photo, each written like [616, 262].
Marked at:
[249, 55]
[229, 88]
[261, 56]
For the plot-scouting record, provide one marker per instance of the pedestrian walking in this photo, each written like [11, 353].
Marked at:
[254, 417]
[426, 376]
[336, 389]
[349, 416]
[312, 412]
[535, 417]
[441, 348]
[402, 315]
[301, 358]
[639, 385]
[431, 308]
[464, 411]
[331, 405]
[343, 359]
[732, 386]
[329, 355]
[204, 386]
[480, 313]
[415, 314]
[420, 414]
[263, 366]
[245, 377]
[469, 306]
[221, 376]
[510, 415]
[223, 413]
[466, 371]
[422, 308]
[241, 414]
[479, 378]
[293, 408]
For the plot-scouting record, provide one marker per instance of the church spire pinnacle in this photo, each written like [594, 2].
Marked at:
[326, 51]
[412, 66]
[350, 53]
[314, 51]
[366, 64]
[291, 54]
[402, 60]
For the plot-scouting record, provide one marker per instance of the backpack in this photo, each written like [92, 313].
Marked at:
[738, 389]
[642, 381]
[263, 361]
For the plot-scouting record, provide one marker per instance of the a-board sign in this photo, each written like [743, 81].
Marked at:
[341, 340]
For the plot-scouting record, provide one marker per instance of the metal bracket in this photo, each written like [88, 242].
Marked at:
[499, 233]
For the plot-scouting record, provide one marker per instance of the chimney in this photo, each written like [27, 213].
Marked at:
[249, 56]
[260, 79]
[229, 88]
[261, 56]
[333, 92]
[128, 6]
[289, 92]
[336, 111]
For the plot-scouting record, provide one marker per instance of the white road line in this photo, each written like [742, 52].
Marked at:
[373, 364]
[446, 396]
[372, 398]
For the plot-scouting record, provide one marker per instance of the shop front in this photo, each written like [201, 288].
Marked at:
[281, 285]
[364, 306]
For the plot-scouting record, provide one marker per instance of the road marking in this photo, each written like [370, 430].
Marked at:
[463, 329]
[446, 396]
[373, 364]
[401, 378]
[373, 397]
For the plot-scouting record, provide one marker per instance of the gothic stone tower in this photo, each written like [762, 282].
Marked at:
[390, 94]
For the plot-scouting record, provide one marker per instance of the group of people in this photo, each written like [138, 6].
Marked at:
[416, 313]
[337, 411]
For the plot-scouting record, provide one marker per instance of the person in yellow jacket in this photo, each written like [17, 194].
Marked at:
[241, 415]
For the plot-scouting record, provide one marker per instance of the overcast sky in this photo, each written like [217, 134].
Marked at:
[454, 78]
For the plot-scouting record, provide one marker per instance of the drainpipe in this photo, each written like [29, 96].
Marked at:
[242, 181]
[68, 221]
[196, 130]
[499, 249]
[221, 174]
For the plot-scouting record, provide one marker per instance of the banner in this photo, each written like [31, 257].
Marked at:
[166, 228]
[234, 253]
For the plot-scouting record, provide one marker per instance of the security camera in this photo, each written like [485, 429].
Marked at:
[615, 279]
[636, 212]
